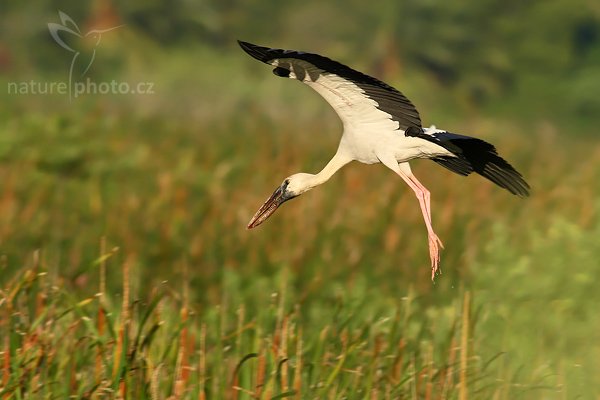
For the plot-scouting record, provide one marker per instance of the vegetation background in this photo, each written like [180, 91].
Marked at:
[125, 266]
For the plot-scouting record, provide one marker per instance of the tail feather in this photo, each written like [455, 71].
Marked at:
[476, 155]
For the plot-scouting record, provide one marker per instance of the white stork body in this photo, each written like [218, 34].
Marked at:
[380, 126]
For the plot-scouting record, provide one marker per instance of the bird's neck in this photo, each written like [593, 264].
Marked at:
[337, 162]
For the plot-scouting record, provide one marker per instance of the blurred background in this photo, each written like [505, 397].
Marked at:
[172, 176]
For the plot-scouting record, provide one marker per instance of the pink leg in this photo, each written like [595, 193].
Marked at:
[424, 201]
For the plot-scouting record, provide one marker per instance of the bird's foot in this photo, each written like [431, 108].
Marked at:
[435, 244]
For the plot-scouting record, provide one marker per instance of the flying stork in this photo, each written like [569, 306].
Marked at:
[380, 125]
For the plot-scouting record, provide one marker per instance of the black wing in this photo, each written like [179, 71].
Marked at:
[351, 88]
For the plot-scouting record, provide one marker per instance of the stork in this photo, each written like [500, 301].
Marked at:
[380, 125]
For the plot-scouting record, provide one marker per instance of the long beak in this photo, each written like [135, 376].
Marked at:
[266, 210]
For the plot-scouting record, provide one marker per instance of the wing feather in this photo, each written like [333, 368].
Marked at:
[356, 97]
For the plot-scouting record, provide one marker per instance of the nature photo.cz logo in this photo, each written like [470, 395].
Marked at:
[83, 47]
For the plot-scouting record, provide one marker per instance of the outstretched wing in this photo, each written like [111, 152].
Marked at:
[357, 98]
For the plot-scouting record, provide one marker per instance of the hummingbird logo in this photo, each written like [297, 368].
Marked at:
[84, 49]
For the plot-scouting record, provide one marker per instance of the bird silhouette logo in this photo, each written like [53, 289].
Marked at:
[83, 48]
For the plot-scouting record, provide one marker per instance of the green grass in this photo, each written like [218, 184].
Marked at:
[57, 345]
[329, 299]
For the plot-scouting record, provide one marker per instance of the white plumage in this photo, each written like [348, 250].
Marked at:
[380, 125]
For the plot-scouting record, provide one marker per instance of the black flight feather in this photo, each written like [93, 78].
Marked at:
[389, 99]
[475, 155]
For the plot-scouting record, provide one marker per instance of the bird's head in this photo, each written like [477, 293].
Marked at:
[292, 186]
